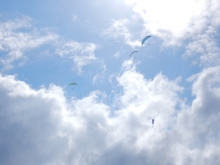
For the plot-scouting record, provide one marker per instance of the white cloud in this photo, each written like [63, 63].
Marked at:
[176, 20]
[204, 49]
[119, 29]
[198, 123]
[87, 131]
[18, 37]
[16, 42]
[81, 53]
[29, 122]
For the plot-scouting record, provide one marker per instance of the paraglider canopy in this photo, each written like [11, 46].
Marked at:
[72, 83]
[152, 122]
[145, 38]
[133, 52]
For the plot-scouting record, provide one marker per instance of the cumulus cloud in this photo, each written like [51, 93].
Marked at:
[29, 131]
[43, 127]
[198, 123]
[176, 20]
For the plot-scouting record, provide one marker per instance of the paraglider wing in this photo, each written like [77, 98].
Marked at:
[133, 52]
[145, 38]
[72, 83]
[152, 122]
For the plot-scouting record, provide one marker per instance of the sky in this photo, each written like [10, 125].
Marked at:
[106, 118]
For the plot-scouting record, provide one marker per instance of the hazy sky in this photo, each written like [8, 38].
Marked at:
[106, 119]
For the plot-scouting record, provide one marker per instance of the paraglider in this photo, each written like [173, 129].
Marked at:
[73, 83]
[152, 122]
[133, 52]
[143, 41]
[145, 38]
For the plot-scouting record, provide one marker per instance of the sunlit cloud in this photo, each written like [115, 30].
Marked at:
[107, 118]
[67, 131]
[179, 22]
[119, 30]
[174, 21]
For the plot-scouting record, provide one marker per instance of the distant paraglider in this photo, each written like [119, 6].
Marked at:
[72, 83]
[152, 122]
[145, 39]
[133, 52]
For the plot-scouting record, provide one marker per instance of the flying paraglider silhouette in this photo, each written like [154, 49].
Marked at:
[142, 42]
[152, 122]
[145, 39]
[72, 83]
[133, 53]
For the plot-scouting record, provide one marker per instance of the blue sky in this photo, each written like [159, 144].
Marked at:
[106, 117]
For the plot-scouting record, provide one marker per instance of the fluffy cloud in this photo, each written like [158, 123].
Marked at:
[174, 21]
[43, 127]
[192, 24]
[198, 123]
[30, 121]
